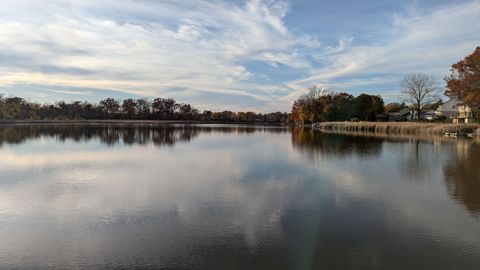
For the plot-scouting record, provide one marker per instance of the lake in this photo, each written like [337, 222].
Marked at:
[235, 197]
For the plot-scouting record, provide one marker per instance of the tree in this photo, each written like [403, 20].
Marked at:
[129, 107]
[313, 104]
[319, 104]
[464, 82]
[186, 111]
[420, 90]
[110, 106]
[315, 92]
[16, 108]
[164, 107]
[2, 107]
[206, 115]
[89, 110]
[368, 106]
[296, 107]
[75, 109]
[342, 107]
[143, 107]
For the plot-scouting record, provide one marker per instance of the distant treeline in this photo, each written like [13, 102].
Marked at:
[17, 108]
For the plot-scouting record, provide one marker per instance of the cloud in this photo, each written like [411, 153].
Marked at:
[145, 47]
[427, 43]
[70, 92]
[151, 48]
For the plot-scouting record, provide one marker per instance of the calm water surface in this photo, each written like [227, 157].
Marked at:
[233, 197]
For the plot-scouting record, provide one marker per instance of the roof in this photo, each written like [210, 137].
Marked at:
[450, 106]
[402, 112]
[429, 112]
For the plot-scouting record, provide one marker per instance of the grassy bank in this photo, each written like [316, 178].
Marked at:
[401, 128]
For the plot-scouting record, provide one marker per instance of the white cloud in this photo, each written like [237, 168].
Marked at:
[426, 43]
[79, 93]
[154, 47]
[150, 48]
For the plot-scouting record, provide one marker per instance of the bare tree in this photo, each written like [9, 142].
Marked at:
[421, 91]
[314, 92]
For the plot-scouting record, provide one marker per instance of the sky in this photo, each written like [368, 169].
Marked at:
[257, 55]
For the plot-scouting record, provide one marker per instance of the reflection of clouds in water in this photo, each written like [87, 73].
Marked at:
[376, 214]
[194, 185]
[404, 177]
[228, 198]
[40, 159]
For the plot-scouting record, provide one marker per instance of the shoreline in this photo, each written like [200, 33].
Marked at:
[364, 128]
[399, 128]
[133, 122]
[403, 137]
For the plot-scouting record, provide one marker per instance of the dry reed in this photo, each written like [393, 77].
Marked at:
[403, 128]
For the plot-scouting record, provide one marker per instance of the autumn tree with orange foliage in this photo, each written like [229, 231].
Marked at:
[464, 82]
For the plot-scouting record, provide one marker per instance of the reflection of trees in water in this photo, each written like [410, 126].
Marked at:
[462, 176]
[110, 134]
[416, 158]
[315, 142]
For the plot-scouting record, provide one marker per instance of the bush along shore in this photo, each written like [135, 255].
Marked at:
[401, 128]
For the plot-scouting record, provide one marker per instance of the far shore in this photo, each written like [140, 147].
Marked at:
[125, 122]
[401, 128]
[380, 128]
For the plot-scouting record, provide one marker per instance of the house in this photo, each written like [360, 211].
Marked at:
[381, 117]
[456, 111]
[429, 115]
[402, 114]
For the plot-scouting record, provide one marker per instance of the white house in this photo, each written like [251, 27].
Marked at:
[455, 110]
